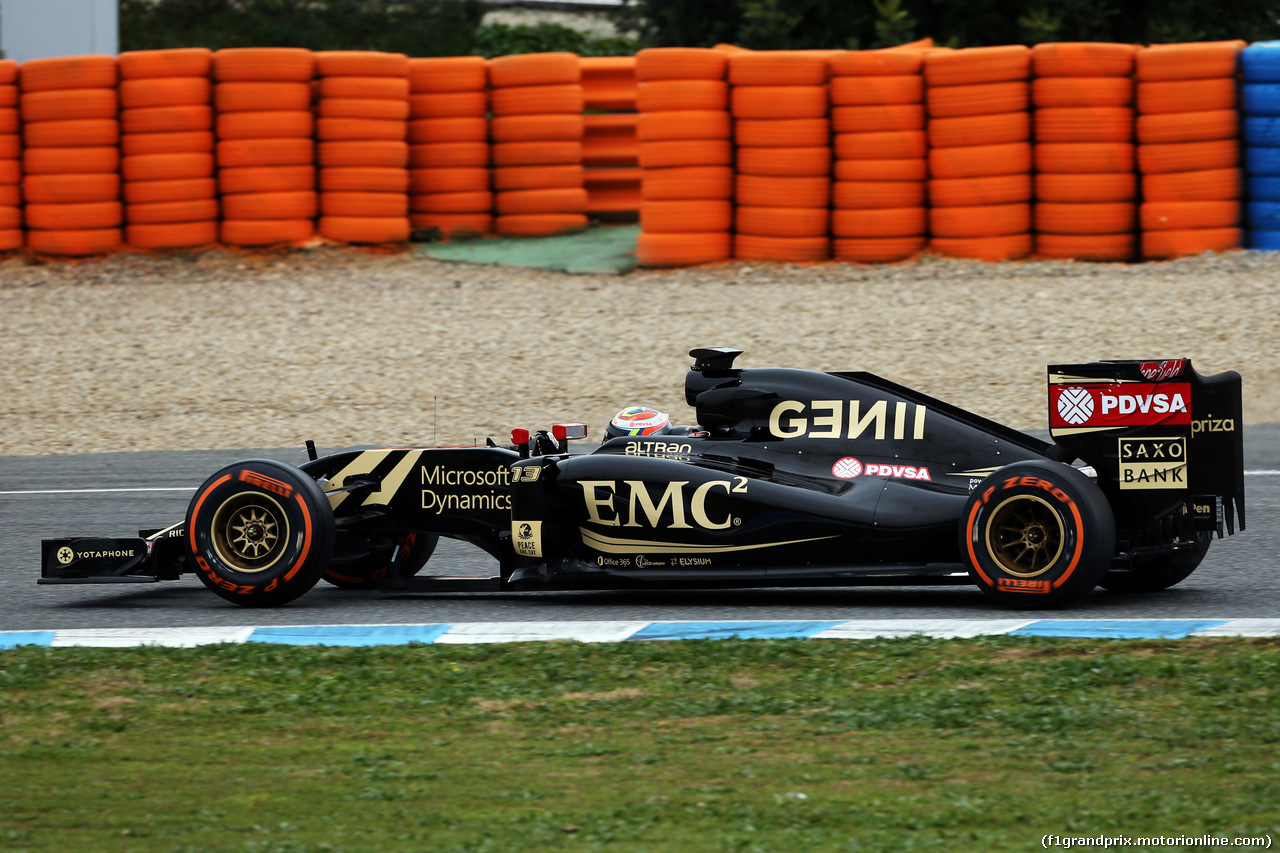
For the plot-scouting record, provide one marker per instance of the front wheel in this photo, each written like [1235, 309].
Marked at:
[259, 533]
[1037, 534]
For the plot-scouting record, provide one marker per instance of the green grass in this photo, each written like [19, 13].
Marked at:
[785, 745]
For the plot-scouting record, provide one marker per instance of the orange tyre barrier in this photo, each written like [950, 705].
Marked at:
[449, 188]
[363, 108]
[73, 217]
[667, 95]
[266, 124]
[1084, 124]
[872, 195]
[877, 117]
[167, 167]
[1077, 188]
[530, 128]
[534, 86]
[988, 220]
[167, 119]
[164, 92]
[1082, 91]
[537, 177]
[783, 221]
[988, 189]
[682, 250]
[65, 104]
[540, 224]
[199, 141]
[980, 160]
[689, 182]
[453, 225]
[1192, 61]
[172, 62]
[1189, 96]
[267, 179]
[978, 65]
[995, 129]
[1201, 185]
[71, 189]
[185, 210]
[877, 250]
[97, 241]
[691, 152]
[365, 179]
[886, 145]
[779, 102]
[1087, 247]
[608, 82]
[685, 216]
[245, 96]
[56, 161]
[753, 247]
[979, 99]
[1188, 156]
[683, 124]
[680, 63]
[792, 162]
[181, 189]
[448, 74]
[877, 91]
[266, 155]
[1083, 59]
[1188, 127]
[265, 232]
[613, 191]
[881, 170]
[427, 181]
[392, 153]
[1002, 248]
[172, 234]
[778, 68]
[1085, 157]
[878, 223]
[367, 216]
[70, 134]
[1085, 217]
[534, 69]
[461, 202]
[1172, 244]
[68, 72]
[1184, 215]
[263, 63]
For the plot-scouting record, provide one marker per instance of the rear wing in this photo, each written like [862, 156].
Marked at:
[1160, 436]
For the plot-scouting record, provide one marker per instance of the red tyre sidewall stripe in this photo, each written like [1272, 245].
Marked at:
[1075, 558]
[306, 539]
[973, 557]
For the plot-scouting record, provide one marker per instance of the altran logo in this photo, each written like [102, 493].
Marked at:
[1075, 405]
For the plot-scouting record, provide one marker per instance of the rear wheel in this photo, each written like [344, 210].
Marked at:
[1162, 572]
[259, 533]
[1037, 534]
[408, 553]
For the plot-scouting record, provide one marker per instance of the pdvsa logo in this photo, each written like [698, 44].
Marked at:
[849, 468]
[1122, 405]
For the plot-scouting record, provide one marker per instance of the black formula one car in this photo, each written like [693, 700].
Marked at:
[790, 478]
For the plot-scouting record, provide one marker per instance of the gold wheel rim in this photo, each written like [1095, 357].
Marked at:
[1025, 536]
[250, 532]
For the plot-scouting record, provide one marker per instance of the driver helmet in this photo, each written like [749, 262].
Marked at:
[638, 420]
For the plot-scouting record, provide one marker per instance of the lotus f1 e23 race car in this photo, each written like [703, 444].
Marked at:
[790, 478]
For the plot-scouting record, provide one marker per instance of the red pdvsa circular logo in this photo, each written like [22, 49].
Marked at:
[847, 468]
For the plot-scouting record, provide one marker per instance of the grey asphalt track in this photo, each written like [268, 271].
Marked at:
[50, 496]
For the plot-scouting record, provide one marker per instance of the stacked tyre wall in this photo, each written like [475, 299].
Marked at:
[1085, 151]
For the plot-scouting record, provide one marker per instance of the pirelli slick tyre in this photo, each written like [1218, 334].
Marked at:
[407, 553]
[1161, 572]
[259, 533]
[1037, 534]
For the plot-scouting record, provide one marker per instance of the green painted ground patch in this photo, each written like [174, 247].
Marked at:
[601, 249]
[774, 745]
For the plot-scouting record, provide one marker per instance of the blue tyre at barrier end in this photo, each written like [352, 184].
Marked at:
[1260, 99]
[1262, 216]
[1261, 160]
[1261, 130]
[1260, 62]
[1262, 187]
[1266, 240]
